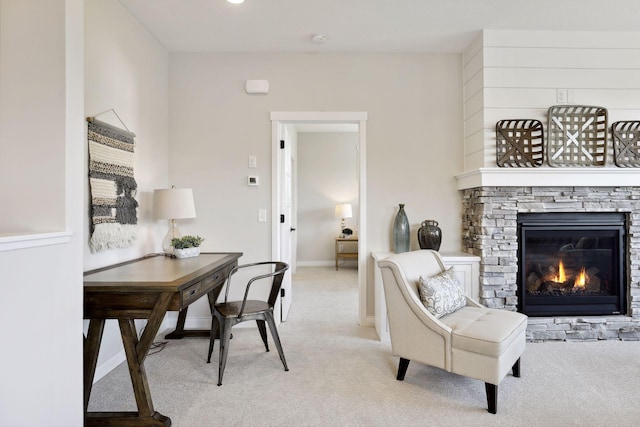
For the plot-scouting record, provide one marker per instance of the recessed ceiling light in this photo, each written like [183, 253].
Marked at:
[319, 38]
[236, 1]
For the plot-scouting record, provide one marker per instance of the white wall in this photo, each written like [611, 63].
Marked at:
[41, 369]
[515, 75]
[414, 139]
[126, 69]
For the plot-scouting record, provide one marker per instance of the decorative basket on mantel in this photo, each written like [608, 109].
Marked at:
[626, 143]
[519, 143]
[577, 135]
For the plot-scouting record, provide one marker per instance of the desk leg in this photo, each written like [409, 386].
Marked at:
[136, 351]
[91, 350]
[179, 332]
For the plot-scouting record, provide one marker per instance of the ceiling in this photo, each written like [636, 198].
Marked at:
[367, 26]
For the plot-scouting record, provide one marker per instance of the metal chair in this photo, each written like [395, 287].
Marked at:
[229, 313]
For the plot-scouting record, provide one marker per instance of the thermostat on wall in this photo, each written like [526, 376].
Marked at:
[252, 180]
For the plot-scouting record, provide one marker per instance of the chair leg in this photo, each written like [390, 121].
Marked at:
[516, 369]
[225, 337]
[402, 368]
[212, 338]
[492, 397]
[263, 332]
[276, 337]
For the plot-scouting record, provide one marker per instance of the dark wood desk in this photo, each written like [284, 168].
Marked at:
[145, 288]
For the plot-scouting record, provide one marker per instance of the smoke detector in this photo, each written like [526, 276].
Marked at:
[319, 38]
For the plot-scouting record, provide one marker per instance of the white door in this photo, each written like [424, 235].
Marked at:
[286, 221]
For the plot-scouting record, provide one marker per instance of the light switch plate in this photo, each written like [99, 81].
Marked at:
[262, 215]
[253, 162]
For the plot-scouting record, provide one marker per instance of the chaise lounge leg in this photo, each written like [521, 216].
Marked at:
[402, 368]
[516, 369]
[492, 397]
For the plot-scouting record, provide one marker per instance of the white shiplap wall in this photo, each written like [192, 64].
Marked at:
[516, 75]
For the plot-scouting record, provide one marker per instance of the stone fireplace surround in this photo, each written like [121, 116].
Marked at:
[489, 230]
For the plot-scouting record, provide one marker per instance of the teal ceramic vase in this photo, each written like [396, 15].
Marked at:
[401, 231]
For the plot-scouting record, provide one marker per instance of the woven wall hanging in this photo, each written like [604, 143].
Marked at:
[577, 135]
[112, 186]
[626, 143]
[519, 143]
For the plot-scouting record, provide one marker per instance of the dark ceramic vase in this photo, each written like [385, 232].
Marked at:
[429, 235]
[401, 231]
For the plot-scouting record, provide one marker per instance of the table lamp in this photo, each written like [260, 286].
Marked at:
[343, 211]
[173, 203]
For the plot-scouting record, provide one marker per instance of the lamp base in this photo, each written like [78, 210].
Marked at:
[173, 233]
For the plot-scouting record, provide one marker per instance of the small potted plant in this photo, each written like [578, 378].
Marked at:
[186, 246]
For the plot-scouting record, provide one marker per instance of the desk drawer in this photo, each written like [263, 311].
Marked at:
[192, 293]
[204, 286]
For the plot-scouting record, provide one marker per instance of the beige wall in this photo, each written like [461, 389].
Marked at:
[126, 69]
[41, 369]
[414, 138]
[327, 172]
[32, 109]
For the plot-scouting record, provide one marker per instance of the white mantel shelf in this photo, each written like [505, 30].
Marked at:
[550, 177]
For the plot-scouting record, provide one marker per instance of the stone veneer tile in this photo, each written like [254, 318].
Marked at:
[489, 229]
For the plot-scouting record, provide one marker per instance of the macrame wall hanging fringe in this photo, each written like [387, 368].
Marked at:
[112, 185]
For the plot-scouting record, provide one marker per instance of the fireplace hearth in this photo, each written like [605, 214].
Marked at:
[571, 264]
[491, 231]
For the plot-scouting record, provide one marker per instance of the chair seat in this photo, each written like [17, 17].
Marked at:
[485, 331]
[232, 308]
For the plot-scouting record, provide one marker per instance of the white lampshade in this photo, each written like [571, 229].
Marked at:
[343, 210]
[174, 203]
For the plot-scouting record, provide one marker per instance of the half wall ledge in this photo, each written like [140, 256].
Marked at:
[13, 241]
[549, 177]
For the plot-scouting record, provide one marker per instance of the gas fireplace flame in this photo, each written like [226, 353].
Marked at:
[561, 277]
[581, 280]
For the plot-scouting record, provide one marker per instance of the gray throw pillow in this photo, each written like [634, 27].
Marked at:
[442, 294]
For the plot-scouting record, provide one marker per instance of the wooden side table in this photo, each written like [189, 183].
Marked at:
[340, 249]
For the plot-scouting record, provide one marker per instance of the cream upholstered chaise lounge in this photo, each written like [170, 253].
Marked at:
[473, 341]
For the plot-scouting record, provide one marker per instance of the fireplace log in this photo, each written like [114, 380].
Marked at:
[533, 282]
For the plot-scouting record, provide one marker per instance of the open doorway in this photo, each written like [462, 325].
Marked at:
[282, 229]
[326, 185]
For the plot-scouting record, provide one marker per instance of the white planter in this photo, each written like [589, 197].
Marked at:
[186, 253]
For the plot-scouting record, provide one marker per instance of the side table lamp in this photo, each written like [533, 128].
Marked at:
[343, 211]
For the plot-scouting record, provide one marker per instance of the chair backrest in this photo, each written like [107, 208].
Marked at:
[278, 276]
[415, 333]
[411, 265]
[278, 271]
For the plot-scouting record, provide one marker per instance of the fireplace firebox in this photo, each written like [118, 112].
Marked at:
[571, 263]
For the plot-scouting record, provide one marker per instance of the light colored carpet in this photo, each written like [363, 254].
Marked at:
[341, 375]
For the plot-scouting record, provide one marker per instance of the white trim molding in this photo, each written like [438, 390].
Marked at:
[10, 242]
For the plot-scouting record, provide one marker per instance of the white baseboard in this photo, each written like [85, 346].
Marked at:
[315, 263]
[324, 263]
[109, 365]
[370, 321]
